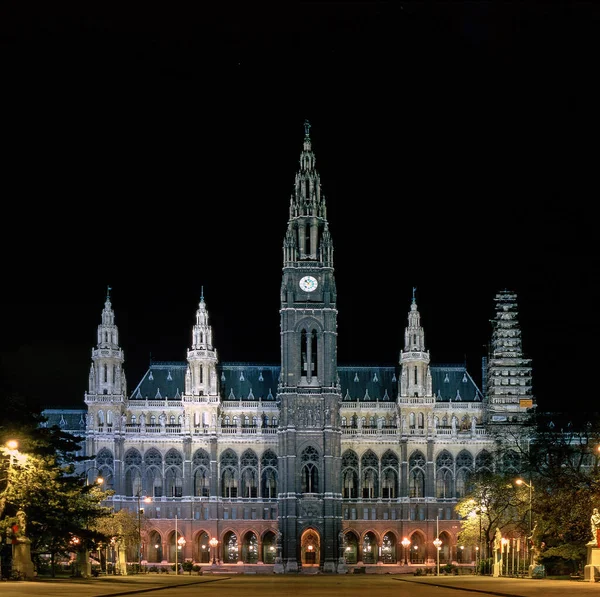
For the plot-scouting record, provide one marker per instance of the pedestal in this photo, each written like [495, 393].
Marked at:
[342, 567]
[83, 568]
[278, 567]
[22, 559]
[122, 557]
[291, 566]
[497, 563]
[593, 563]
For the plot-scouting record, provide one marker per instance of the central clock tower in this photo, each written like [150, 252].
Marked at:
[310, 500]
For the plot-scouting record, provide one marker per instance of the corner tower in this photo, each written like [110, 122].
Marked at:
[508, 375]
[310, 504]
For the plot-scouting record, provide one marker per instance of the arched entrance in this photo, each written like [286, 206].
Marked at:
[203, 548]
[269, 547]
[310, 548]
[155, 547]
[351, 548]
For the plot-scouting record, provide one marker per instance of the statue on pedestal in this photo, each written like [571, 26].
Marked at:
[497, 553]
[594, 528]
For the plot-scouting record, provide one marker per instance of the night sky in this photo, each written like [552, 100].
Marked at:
[153, 149]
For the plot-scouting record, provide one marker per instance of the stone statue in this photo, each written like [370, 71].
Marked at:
[594, 527]
[498, 539]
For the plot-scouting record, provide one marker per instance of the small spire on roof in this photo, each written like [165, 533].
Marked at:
[108, 289]
[201, 294]
[306, 128]
[414, 290]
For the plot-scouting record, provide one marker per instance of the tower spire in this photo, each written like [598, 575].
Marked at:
[308, 237]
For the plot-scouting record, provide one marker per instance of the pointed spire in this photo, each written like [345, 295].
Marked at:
[308, 237]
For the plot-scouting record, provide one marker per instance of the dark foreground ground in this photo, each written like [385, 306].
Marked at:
[315, 585]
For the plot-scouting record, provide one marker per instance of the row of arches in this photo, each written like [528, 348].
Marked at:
[248, 547]
[252, 548]
[250, 476]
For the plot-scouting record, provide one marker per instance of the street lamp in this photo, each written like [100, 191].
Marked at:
[213, 543]
[437, 542]
[140, 511]
[438, 545]
[530, 538]
[405, 543]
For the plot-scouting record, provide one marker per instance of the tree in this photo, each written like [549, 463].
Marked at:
[566, 477]
[492, 503]
[39, 487]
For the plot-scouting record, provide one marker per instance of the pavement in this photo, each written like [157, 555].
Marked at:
[112, 586]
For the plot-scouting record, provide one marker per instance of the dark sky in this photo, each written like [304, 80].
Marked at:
[153, 149]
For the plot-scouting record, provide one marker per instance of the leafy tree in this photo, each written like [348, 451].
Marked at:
[492, 503]
[566, 479]
[38, 486]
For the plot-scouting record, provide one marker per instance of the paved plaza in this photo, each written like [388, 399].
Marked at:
[315, 585]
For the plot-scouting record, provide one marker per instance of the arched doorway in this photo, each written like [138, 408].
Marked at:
[230, 548]
[369, 549]
[250, 548]
[446, 548]
[269, 548]
[203, 548]
[350, 548]
[417, 549]
[388, 549]
[155, 547]
[310, 548]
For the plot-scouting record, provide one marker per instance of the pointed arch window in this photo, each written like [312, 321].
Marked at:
[310, 471]
[229, 474]
[308, 351]
[370, 475]
[350, 475]
[201, 472]
[389, 475]
[443, 483]
[268, 464]
[417, 483]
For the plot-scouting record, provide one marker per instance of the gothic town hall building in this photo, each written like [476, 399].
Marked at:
[299, 464]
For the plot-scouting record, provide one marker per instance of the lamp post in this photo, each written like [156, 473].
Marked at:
[213, 543]
[180, 545]
[405, 543]
[530, 538]
[139, 529]
[437, 542]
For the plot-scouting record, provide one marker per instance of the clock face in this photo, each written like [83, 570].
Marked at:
[308, 283]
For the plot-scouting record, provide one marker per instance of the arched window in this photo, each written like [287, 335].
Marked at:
[173, 473]
[484, 462]
[310, 471]
[249, 468]
[416, 481]
[370, 475]
[268, 465]
[133, 475]
[229, 474]
[464, 471]
[389, 475]
[350, 474]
